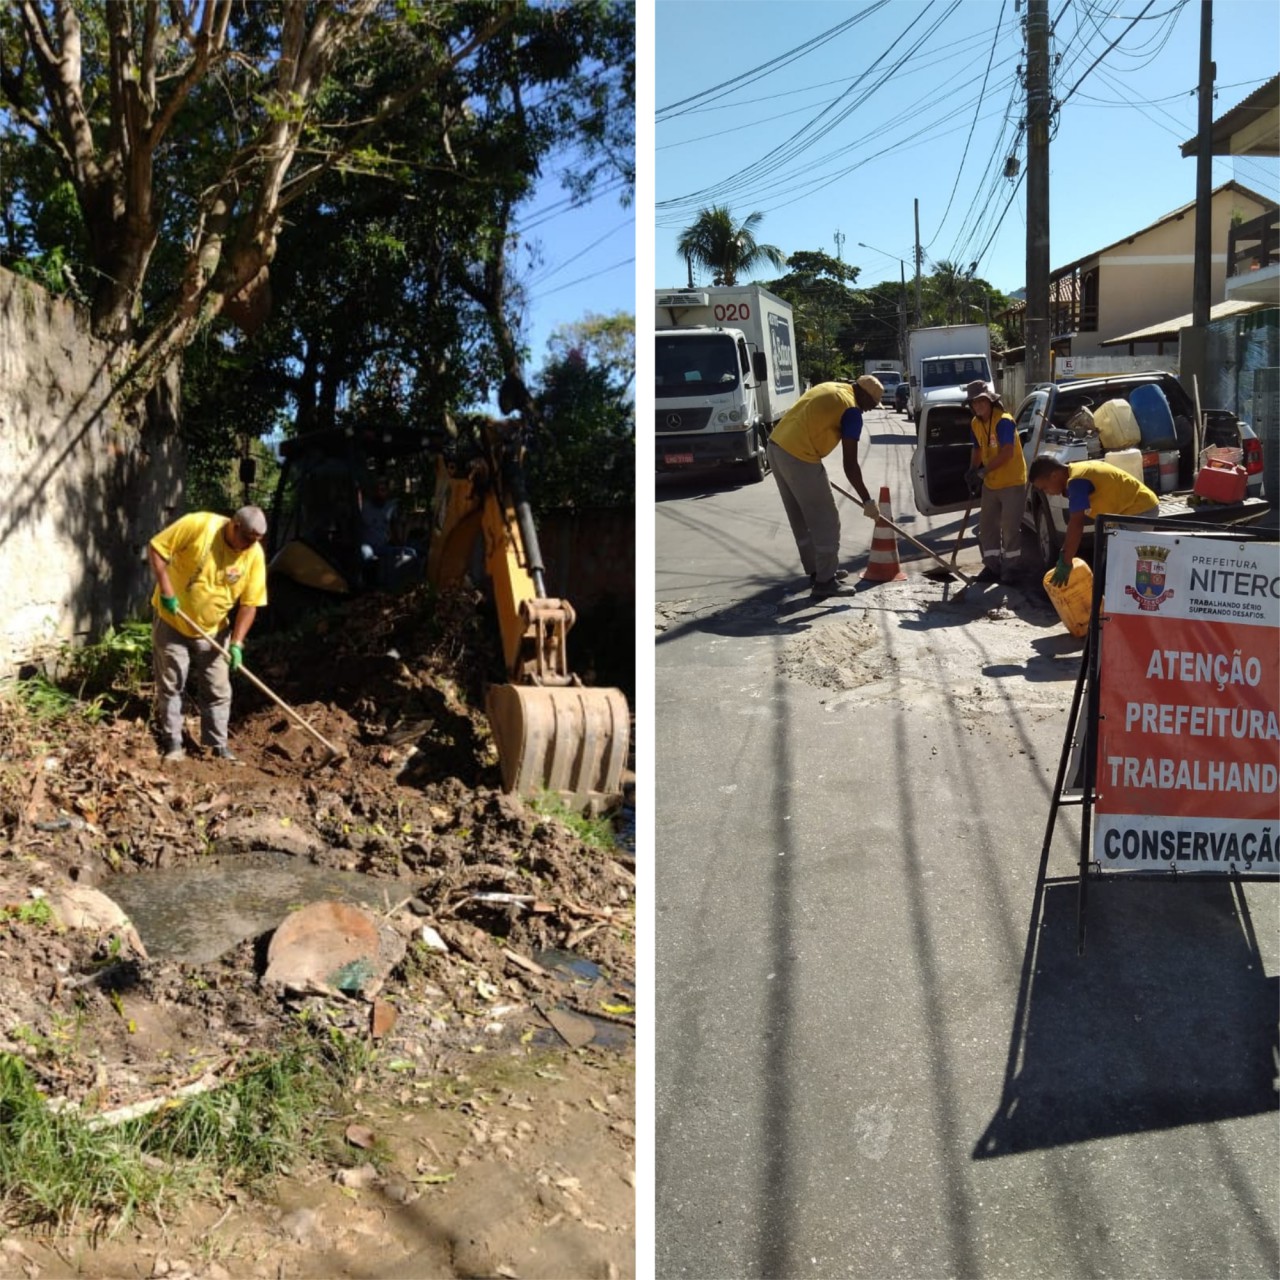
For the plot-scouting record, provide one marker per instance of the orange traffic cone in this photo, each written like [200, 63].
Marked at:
[883, 564]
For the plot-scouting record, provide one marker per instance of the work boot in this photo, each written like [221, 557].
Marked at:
[225, 754]
[990, 573]
[821, 590]
[839, 576]
[174, 752]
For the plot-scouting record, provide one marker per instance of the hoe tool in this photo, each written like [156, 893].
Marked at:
[902, 533]
[334, 753]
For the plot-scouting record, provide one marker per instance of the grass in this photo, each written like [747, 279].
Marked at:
[57, 1170]
[596, 832]
[89, 682]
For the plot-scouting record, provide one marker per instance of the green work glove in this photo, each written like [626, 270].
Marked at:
[170, 603]
[237, 656]
[1061, 573]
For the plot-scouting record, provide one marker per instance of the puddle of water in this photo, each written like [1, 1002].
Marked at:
[567, 965]
[624, 829]
[608, 1035]
[195, 914]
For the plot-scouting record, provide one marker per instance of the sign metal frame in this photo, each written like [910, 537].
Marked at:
[1080, 741]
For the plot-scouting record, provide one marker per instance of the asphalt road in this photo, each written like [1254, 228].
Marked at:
[878, 1051]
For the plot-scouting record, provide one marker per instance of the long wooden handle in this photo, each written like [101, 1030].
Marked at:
[955, 553]
[902, 533]
[280, 702]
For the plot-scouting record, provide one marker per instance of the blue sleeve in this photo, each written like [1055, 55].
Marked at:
[1079, 495]
[851, 424]
[1006, 431]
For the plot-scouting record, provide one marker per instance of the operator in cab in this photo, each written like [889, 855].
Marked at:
[827, 415]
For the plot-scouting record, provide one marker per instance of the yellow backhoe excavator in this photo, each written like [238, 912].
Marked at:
[552, 732]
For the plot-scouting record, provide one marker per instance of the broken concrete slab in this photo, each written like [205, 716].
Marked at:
[332, 946]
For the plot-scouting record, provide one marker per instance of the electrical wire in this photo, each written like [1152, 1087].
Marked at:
[964, 155]
[805, 137]
[782, 60]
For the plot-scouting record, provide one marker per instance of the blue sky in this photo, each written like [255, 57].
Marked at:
[931, 129]
[586, 259]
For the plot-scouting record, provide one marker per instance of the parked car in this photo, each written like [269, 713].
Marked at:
[944, 445]
[902, 397]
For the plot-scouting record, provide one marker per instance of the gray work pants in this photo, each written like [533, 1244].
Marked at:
[811, 509]
[1000, 525]
[174, 657]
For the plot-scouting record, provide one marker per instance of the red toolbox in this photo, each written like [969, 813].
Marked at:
[1221, 483]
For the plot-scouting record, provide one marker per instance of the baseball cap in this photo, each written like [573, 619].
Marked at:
[872, 386]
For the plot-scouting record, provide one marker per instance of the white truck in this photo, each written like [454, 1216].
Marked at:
[724, 373]
[942, 359]
[889, 374]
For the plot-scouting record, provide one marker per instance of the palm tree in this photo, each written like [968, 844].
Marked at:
[723, 248]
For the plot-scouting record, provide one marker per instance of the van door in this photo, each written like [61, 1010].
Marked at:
[944, 448]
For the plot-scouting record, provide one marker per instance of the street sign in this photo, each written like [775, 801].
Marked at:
[1187, 776]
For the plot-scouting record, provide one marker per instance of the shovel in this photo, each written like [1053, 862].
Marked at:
[902, 533]
[944, 575]
[334, 753]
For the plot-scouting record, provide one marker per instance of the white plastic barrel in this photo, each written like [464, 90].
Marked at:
[1129, 460]
[1168, 470]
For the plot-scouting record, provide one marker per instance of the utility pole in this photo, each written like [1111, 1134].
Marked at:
[919, 255]
[688, 263]
[1193, 347]
[1038, 333]
[902, 313]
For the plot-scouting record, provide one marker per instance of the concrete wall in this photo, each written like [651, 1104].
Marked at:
[81, 488]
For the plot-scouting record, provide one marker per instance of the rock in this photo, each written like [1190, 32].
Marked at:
[80, 907]
[244, 835]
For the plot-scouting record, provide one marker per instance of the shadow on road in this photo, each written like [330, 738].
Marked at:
[1167, 1019]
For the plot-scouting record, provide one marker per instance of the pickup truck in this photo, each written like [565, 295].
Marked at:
[944, 444]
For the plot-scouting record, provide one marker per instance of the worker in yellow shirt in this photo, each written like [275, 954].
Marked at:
[205, 565]
[998, 469]
[827, 415]
[1092, 489]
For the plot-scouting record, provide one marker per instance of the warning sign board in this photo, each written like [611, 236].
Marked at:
[1188, 763]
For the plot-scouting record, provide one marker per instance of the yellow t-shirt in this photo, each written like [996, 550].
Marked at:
[1110, 491]
[987, 435]
[209, 577]
[812, 427]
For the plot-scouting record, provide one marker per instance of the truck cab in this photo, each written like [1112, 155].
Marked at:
[944, 378]
[724, 373]
[705, 403]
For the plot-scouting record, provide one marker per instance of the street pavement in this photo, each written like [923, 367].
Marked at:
[879, 1053]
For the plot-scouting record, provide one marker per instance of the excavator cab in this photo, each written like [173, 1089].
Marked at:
[552, 732]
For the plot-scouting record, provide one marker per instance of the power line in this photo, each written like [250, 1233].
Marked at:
[595, 275]
[782, 60]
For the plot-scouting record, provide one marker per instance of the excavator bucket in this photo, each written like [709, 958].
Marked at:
[567, 739]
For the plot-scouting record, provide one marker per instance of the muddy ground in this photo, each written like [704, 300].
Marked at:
[501, 1081]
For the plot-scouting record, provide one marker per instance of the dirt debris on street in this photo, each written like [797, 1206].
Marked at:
[504, 916]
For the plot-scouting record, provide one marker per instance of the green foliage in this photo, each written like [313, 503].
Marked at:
[585, 455]
[595, 832]
[114, 668]
[36, 912]
[57, 1168]
[826, 308]
[728, 249]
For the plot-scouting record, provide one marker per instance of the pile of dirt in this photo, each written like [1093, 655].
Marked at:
[478, 886]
